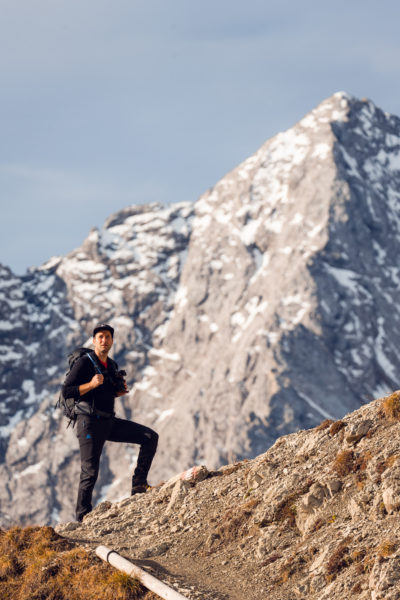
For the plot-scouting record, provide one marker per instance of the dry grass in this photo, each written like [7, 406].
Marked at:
[234, 522]
[38, 564]
[362, 460]
[357, 588]
[386, 464]
[360, 466]
[336, 427]
[339, 560]
[293, 566]
[317, 525]
[364, 564]
[230, 469]
[347, 462]
[390, 407]
[270, 559]
[344, 463]
[324, 425]
[358, 555]
[386, 548]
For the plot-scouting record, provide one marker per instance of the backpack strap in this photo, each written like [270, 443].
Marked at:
[83, 406]
[96, 366]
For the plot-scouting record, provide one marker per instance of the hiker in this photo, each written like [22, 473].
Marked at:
[94, 382]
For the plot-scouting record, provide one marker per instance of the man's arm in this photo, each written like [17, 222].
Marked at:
[118, 394]
[91, 385]
[81, 380]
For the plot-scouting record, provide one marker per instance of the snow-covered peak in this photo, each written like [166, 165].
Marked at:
[267, 305]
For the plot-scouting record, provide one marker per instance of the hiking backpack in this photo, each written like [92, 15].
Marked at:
[67, 405]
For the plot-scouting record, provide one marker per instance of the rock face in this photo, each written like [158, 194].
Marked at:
[265, 307]
[310, 518]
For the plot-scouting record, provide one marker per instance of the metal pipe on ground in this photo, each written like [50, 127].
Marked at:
[149, 581]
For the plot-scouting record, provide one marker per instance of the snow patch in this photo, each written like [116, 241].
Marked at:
[315, 406]
[6, 354]
[29, 388]
[181, 298]
[165, 414]
[380, 354]
[321, 151]
[345, 277]
[161, 353]
[248, 233]
[6, 430]
[31, 470]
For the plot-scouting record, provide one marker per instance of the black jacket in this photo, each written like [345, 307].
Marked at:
[82, 372]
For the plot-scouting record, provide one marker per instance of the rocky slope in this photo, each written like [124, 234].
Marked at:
[316, 517]
[269, 304]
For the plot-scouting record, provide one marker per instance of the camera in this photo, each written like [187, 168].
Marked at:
[118, 381]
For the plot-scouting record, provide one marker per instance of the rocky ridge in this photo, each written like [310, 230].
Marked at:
[316, 517]
[268, 304]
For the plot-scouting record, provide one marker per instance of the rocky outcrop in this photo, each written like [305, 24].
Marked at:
[306, 519]
[266, 306]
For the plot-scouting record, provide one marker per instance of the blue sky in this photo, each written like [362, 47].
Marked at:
[106, 104]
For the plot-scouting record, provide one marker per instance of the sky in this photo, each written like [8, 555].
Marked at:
[105, 104]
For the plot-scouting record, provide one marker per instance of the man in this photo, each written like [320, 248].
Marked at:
[93, 383]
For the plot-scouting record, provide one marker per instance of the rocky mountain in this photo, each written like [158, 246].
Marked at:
[316, 517]
[261, 309]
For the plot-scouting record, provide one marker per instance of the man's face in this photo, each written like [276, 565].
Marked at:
[103, 341]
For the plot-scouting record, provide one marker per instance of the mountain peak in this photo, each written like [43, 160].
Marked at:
[269, 304]
[333, 108]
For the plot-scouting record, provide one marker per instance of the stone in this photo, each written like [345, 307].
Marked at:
[317, 494]
[254, 479]
[302, 589]
[316, 567]
[317, 583]
[178, 493]
[334, 486]
[385, 575]
[100, 509]
[308, 506]
[356, 508]
[391, 497]
[69, 526]
[191, 476]
[158, 550]
[358, 431]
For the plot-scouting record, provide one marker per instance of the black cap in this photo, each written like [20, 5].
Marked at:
[102, 327]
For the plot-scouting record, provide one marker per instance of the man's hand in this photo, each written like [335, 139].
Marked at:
[96, 381]
[118, 394]
[91, 385]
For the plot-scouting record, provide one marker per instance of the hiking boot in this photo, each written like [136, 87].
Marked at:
[79, 518]
[140, 488]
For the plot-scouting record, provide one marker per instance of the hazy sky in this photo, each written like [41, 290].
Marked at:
[106, 103]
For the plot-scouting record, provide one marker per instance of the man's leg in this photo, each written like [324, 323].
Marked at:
[133, 433]
[91, 433]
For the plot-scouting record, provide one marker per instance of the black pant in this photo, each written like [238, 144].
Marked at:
[92, 432]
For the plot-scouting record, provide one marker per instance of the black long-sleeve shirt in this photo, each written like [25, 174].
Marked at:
[82, 372]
